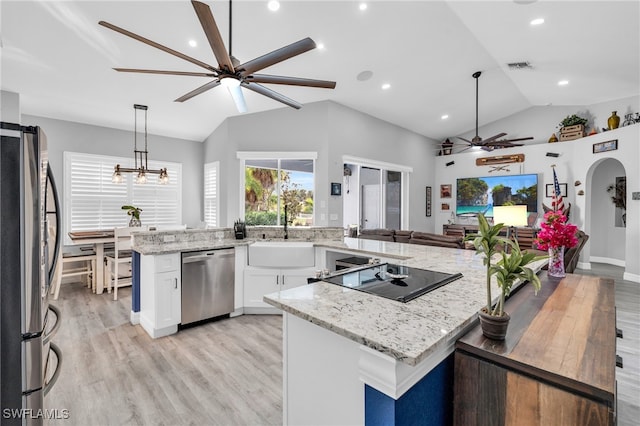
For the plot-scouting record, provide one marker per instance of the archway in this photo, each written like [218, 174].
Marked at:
[607, 233]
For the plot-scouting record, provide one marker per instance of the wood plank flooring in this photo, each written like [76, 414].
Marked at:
[227, 372]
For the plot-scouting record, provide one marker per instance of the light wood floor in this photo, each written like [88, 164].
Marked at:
[227, 372]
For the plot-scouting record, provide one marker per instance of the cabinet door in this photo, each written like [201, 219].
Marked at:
[168, 299]
[291, 278]
[257, 283]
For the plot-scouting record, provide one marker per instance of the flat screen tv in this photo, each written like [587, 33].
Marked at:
[479, 194]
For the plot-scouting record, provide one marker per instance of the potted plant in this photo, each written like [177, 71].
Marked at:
[134, 212]
[512, 266]
[573, 120]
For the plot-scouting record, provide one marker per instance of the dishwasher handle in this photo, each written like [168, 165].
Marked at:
[206, 256]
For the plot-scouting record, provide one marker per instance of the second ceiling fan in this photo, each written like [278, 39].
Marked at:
[230, 72]
[489, 144]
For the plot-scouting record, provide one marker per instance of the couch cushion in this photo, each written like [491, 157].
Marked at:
[427, 238]
[377, 234]
[401, 236]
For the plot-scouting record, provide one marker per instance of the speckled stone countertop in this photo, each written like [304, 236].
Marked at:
[408, 332]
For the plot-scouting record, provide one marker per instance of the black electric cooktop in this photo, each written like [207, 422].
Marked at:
[395, 282]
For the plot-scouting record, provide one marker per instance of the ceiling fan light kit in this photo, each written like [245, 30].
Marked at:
[230, 72]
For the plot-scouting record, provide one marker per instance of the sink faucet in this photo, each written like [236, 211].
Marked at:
[286, 232]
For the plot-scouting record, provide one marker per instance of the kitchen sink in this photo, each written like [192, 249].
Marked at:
[278, 254]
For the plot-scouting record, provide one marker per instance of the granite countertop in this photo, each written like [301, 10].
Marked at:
[408, 332]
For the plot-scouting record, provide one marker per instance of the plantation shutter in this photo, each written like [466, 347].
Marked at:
[93, 202]
[211, 201]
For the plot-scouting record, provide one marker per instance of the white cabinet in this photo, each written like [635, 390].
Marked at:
[160, 294]
[261, 281]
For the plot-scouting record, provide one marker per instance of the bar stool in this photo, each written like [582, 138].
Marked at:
[75, 262]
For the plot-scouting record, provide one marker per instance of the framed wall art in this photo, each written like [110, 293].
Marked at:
[428, 202]
[605, 146]
[549, 189]
[336, 188]
[445, 191]
[445, 207]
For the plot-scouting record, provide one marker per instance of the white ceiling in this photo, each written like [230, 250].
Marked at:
[57, 57]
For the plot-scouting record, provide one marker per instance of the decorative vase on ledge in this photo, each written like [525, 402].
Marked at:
[614, 121]
[556, 262]
[134, 221]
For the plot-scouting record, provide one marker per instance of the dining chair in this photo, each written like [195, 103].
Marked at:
[74, 262]
[117, 271]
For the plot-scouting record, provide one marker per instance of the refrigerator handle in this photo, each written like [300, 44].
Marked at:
[56, 374]
[56, 202]
[56, 326]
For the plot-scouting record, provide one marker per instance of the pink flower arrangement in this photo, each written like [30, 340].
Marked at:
[555, 232]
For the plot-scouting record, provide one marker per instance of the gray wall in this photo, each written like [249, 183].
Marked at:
[332, 130]
[77, 137]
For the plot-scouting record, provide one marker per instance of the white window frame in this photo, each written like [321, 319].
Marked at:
[211, 198]
[104, 167]
[275, 155]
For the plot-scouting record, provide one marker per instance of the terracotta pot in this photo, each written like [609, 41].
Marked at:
[494, 327]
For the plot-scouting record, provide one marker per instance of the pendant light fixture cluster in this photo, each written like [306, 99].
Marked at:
[140, 156]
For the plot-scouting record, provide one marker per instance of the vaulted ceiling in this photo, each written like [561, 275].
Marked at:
[57, 57]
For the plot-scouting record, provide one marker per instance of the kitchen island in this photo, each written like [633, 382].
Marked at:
[355, 358]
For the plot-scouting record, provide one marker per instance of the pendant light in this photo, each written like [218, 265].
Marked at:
[140, 156]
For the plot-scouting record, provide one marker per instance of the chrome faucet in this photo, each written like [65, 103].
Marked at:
[286, 232]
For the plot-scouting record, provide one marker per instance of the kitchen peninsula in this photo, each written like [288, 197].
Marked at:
[350, 357]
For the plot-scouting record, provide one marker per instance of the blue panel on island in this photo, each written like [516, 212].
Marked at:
[135, 281]
[429, 402]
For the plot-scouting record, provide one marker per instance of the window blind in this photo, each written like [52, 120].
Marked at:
[211, 200]
[92, 201]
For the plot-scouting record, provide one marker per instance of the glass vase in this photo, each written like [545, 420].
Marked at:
[556, 262]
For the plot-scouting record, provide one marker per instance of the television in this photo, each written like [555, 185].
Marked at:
[476, 195]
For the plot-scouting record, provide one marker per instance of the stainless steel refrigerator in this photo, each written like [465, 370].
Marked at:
[29, 246]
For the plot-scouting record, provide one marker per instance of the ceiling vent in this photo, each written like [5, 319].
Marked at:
[519, 65]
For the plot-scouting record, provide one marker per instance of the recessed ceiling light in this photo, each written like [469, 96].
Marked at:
[193, 43]
[273, 5]
[563, 82]
[537, 21]
[386, 86]
[363, 6]
[444, 117]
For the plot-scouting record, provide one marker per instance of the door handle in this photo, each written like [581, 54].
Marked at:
[283, 280]
[176, 283]
[277, 279]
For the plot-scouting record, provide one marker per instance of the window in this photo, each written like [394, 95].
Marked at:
[275, 180]
[92, 201]
[211, 200]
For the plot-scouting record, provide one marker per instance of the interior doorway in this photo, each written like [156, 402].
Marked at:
[374, 197]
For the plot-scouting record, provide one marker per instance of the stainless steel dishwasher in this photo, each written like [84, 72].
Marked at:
[208, 280]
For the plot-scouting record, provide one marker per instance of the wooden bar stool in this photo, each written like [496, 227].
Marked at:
[75, 262]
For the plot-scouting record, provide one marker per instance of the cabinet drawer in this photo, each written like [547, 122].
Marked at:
[167, 262]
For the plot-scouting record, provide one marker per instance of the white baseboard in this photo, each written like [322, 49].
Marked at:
[627, 276]
[134, 318]
[607, 260]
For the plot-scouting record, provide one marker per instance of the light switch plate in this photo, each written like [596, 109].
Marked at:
[333, 216]
[635, 195]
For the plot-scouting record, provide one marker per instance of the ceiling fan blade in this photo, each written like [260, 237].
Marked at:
[291, 81]
[238, 98]
[194, 74]
[271, 94]
[466, 140]
[157, 45]
[493, 138]
[213, 35]
[517, 139]
[201, 89]
[276, 56]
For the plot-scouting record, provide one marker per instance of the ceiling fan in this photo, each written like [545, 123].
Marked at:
[230, 72]
[493, 142]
